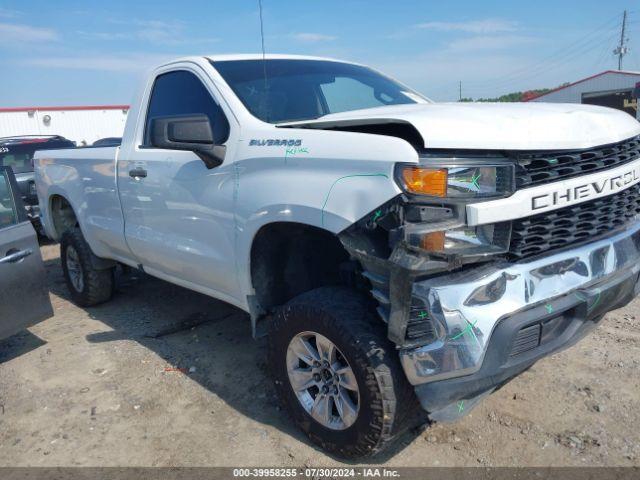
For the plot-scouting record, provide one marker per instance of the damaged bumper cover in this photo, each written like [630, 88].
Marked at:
[492, 322]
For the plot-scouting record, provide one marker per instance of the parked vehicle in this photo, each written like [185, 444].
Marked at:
[24, 298]
[17, 153]
[107, 142]
[403, 252]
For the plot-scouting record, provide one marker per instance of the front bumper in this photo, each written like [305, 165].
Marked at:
[494, 321]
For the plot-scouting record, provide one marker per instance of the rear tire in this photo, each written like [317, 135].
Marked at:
[87, 285]
[384, 399]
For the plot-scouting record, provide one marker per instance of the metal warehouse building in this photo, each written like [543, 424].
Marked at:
[612, 88]
[84, 125]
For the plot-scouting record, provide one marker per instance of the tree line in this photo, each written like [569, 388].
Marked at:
[513, 96]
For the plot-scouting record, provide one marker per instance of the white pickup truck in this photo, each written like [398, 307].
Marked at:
[401, 252]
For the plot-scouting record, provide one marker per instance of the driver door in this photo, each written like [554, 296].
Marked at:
[179, 219]
[24, 298]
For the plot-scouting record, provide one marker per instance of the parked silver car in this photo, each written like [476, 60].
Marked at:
[24, 299]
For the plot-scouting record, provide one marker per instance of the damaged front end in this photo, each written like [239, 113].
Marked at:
[468, 310]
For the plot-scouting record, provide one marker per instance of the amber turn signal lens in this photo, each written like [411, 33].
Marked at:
[425, 181]
[433, 242]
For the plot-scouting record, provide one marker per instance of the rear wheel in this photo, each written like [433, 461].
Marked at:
[337, 374]
[87, 285]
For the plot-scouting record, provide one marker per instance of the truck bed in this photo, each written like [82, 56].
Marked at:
[86, 177]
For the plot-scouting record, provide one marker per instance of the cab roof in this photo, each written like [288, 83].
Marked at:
[268, 56]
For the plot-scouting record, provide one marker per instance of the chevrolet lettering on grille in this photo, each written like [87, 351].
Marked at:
[590, 190]
[552, 196]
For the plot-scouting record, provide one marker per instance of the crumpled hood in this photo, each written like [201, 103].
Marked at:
[497, 126]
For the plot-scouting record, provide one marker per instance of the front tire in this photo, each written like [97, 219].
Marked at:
[337, 374]
[87, 285]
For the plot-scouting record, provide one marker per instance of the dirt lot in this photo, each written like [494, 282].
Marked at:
[165, 377]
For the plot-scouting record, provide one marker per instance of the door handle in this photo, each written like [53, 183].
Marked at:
[138, 173]
[15, 256]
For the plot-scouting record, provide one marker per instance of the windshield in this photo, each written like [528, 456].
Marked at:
[308, 89]
[19, 159]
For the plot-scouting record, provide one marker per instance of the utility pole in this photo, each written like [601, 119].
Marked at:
[460, 89]
[621, 50]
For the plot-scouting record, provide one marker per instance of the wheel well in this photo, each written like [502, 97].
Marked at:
[288, 259]
[62, 215]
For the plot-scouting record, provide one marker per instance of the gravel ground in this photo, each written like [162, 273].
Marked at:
[162, 376]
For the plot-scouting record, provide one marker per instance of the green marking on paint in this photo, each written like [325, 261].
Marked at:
[584, 299]
[460, 406]
[474, 337]
[595, 303]
[326, 199]
[553, 161]
[549, 308]
[293, 151]
[377, 215]
[474, 181]
[423, 315]
[459, 335]
[469, 328]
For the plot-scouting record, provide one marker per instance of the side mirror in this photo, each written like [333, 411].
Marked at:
[192, 133]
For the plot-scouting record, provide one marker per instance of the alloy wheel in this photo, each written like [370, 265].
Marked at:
[74, 269]
[323, 380]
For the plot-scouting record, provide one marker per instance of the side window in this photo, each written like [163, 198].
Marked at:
[8, 214]
[182, 93]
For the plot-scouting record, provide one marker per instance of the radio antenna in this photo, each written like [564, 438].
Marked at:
[264, 64]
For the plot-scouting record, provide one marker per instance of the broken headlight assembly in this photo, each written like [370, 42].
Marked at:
[434, 218]
[470, 182]
[481, 240]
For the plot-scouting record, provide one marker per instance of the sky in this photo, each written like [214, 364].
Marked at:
[68, 52]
